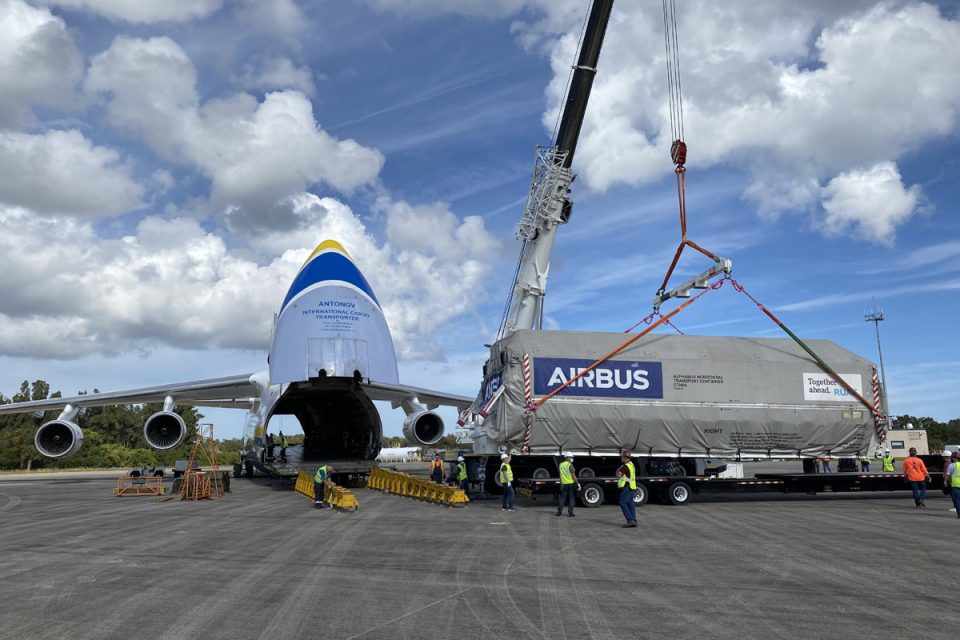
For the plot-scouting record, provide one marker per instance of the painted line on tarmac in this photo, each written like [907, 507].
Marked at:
[12, 501]
[410, 613]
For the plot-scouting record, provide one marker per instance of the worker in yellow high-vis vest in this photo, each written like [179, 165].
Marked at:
[627, 484]
[463, 480]
[319, 484]
[952, 479]
[888, 463]
[568, 485]
[505, 476]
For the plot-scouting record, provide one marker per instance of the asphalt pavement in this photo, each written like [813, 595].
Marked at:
[262, 563]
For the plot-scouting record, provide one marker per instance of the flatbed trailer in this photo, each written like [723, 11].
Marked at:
[681, 489]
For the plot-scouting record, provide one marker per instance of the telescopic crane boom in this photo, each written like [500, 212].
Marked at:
[548, 204]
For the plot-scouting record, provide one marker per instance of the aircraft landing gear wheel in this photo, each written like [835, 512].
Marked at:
[679, 493]
[641, 496]
[591, 495]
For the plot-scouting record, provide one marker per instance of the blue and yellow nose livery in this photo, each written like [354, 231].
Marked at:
[328, 263]
[331, 324]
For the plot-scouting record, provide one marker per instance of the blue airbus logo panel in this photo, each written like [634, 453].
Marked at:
[330, 265]
[611, 379]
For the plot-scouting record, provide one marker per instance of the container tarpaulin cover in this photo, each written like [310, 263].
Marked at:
[680, 395]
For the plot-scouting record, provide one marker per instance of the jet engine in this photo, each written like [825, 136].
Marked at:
[421, 425]
[165, 429]
[59, 438]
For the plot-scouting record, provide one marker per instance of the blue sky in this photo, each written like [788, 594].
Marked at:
[206, 152]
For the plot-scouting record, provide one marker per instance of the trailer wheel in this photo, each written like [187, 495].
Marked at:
[679, 493]
[587, 473]
[591, 495]
[540, 474]
[642, 495]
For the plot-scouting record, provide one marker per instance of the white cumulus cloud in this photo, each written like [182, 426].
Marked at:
[488, 8]
[64, 172]
[39, 62]
[871, 201]
[795, 93]
[145, 11]
[255, 153]
[69, 293]
[277, 72]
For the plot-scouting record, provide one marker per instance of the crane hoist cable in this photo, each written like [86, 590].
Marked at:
[678, 154]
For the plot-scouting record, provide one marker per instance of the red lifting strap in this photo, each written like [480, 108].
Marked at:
[678, 153]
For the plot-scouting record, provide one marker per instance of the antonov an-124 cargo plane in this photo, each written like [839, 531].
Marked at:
[331, 356]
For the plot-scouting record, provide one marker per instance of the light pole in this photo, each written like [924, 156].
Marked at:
[876, 317]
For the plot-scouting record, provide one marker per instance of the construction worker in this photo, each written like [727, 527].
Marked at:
[627, 484]
[865, 463]
[888, 465]
[270, 446]
[915, 472]
[462, 479]
[505, 477]
[568, 485]
[952, 479]
[436, 468]
[319, 484]
[283, 447]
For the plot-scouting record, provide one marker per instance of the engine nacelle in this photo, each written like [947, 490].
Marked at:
[58, 438]
[424, 427]
[164, 430]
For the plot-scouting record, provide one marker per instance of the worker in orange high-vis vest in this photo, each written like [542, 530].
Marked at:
[915, 472]
[436, 468]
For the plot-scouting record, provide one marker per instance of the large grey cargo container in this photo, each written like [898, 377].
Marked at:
[714, 397]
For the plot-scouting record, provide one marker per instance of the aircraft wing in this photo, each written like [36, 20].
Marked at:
[232, 392]
[397, 393]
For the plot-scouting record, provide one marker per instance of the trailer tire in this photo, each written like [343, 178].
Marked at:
[587, 473]
[540, 473]
[679, 493]
[591, 495]
[642, 495]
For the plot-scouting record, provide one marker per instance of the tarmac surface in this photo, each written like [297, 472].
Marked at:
[262, 563]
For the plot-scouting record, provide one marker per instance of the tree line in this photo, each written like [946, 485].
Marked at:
[939, 434]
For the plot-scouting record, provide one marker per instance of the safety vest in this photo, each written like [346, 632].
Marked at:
[283, 442]
[321, 474]
[506, 474]
[461, 472]
[436, 464]
[566, 472]
[888, 464]
[630, 478]
[955, 476]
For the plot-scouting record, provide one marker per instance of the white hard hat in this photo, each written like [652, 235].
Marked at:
[504, 456]
[567, 454]
[459, 458]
